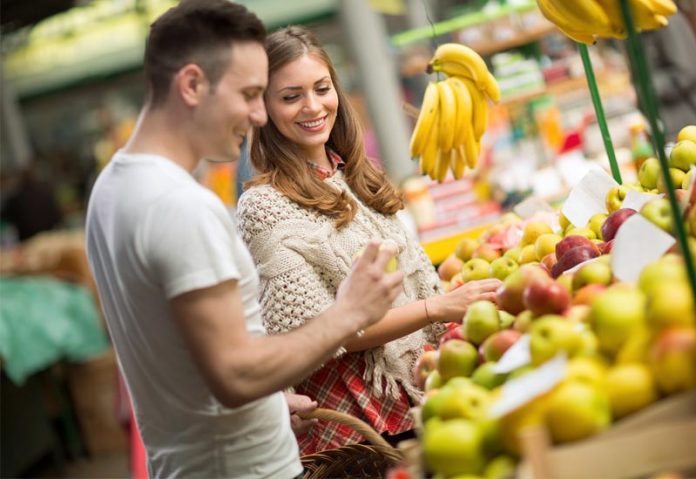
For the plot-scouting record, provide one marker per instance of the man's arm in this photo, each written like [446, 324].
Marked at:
[239, 368]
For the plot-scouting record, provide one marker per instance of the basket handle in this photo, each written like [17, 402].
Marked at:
[346, 419]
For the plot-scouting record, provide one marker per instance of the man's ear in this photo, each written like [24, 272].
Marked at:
[191, 84]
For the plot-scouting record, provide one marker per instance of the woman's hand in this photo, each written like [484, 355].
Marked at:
[300, 403]
[452, 306]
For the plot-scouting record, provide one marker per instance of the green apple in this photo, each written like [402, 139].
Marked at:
[434, 381]
[687, 133]
[683, 155]
[588, 370]
[596, 272]
[672, 359]
[475, 269]
[595, 224]
[649, 172]
[480, 321]
[513, 253]
[546, 244]
[550, 335]
[615, 313]
[506, 319]
[465, 248]
[667, 269]
[470, 401]
[484, 376]
[457, 358]
[527, 254]
[586, 232]
[677, 177]
[687, 179]
[659, 212]
[563, 221]
[500, 467]
[532, 230]
[502, 267]
[433, 405]
[670, 303]
[630, 388]
[577, 410]
[453, 447]
[615, 197]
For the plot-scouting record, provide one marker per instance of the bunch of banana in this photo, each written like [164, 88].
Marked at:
[454, 113]
[585, 20]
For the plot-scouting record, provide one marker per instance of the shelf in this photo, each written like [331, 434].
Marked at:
[529, 36]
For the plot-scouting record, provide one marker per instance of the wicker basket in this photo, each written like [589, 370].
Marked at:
[354, 460]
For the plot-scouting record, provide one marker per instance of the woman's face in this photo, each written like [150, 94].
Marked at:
[302, 103]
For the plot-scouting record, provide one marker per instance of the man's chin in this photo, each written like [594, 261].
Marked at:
[226, 158]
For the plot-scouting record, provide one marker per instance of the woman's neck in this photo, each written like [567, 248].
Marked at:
[318, 156]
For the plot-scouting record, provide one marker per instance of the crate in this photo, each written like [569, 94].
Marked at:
[94, 391]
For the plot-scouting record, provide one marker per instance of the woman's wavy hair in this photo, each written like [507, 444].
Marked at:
[280, 163]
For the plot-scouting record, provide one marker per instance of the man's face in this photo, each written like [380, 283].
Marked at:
[228, 111]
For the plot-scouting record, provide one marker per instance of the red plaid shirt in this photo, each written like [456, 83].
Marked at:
[340, 386]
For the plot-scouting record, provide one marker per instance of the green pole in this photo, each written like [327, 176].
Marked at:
[646, 92]
[599, 111]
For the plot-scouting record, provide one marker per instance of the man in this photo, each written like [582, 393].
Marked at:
[178, 286]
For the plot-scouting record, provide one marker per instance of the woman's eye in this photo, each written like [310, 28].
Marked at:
[323, 90]
[289, 98]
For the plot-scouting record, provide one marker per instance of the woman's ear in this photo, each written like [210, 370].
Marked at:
[191, 84]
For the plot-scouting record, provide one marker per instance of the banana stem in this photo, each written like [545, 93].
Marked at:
[647, 94]
[599, 111]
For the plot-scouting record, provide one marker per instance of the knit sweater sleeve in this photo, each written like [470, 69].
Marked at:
[292, 290]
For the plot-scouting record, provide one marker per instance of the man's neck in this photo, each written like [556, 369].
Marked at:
[157, 134]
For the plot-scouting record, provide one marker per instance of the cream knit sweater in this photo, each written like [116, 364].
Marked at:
[302, 258]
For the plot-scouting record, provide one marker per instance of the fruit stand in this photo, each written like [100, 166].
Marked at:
[585, 365]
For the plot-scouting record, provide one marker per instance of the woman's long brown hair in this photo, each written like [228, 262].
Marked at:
[280, 163]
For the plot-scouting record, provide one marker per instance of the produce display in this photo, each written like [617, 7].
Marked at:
[627, 344]
[585, 20]
[454, 113]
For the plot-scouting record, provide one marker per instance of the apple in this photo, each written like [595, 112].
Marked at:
[532, 230]
[457, 358]
[434, 381]
[501, 268]
[486, 251]
[585, 295]
[670, 303]
[667, 269]
[485, 377]
[454, 332]
[425, 364]
[466, 400]
[615, 314]
[456, 281]
[687, 180]
[649, 172]
[449, 267]
[596, 272]
[480, 321]
[513, 253]
[577, 410]
[672, 359]
[659, 212]
[615, 197]
[509, 294]
[630, 388]
[677, 177]
[683, 155]
[687, 133]
[546, 244]
[577, 313]
[453, 447]
[545, 297]
[475, 269]
[606, 247]
[595, 224]
[586, 232]
[614, 221]
[591, 371]
[465, 248]
[550, 335]
[523, 321]
[531, 414]
[574, 257]
[500, 467]
[563, 221]
[496, 344]
[527, 254]
[506, 319]
[570, 242]
[433, 405]
[548, 262]
[566, 280]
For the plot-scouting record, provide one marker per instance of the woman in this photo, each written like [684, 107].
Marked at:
[316, 202]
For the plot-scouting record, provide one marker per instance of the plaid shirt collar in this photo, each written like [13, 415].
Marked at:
[336, 161]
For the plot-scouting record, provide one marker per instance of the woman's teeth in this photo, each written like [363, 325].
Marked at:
[312, 124]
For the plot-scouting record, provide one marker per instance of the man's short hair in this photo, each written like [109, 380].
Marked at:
[199, 32]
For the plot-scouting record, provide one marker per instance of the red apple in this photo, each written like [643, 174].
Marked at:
[673, 359]
[574, 257]
[614, 221]
[456, 332]
[425, 364]
[546, 297]
[605, 248]
[570, 242]
[587, 294]
[549, 261]
[495, 346]
[509, 294]
[449, 267]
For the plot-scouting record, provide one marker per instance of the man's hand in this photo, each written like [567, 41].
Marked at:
[453, 305]
[299, 403]
[369, 291]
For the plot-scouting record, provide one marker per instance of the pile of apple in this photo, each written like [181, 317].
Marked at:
[627, 344]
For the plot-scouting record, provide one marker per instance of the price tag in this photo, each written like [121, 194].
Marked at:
[637, 244]
[587, 198]
[516, 356]
[522, 390]
[635, 199]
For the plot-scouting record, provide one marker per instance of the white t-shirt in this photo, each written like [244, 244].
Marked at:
[154, 233]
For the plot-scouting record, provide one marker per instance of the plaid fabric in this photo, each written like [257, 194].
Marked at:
[337, 163]
[339, 385]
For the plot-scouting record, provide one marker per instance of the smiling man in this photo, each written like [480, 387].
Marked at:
[178, 286]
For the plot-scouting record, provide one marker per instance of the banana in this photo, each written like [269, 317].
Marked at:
[442, 165]
[644, 17]
[429, 155]
[492, 88]
[584, 16]
[579, 37]
[464, 108]
[447, 117]
[458, 162]
[426, 119]
[613, 11]
[471, 150]
[479, 108]
[455, 59]
[663, 7]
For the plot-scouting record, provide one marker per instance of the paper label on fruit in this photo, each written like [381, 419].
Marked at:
[635, 199]
[522, 390]
[689, 189]
[516, 356]
[587, 198]
[637, 244]
[530, 206]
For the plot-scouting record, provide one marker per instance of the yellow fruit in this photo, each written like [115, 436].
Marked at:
[687, 133]
[630, 387]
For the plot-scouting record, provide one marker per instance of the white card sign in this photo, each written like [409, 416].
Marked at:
[587, 198]
[638, 243]
[516, 356]
[635, 199]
